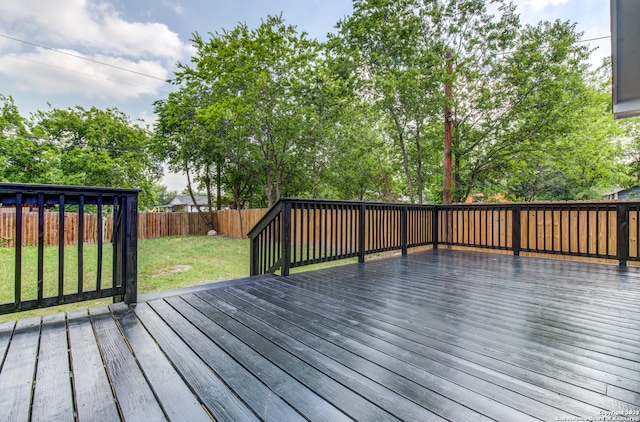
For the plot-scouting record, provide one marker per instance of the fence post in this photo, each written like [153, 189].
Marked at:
[286, 238]
[403, 229]
[622, 211]
[516, 230]
[130, 248]
[361, 229]
[434, 226]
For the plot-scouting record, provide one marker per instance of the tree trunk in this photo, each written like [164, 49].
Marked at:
[208, 222]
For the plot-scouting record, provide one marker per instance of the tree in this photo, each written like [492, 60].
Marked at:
[163, 194]
[512, 86]
[257, 106]
[185, 143]
[584, 161]
[22, 158]
[96, 147]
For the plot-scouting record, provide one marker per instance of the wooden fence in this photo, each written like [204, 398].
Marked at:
[231, 223]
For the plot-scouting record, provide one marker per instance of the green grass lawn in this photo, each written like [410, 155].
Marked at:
[163, 264]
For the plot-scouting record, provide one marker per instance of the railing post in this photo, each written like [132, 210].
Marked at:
[254, 253]
[116, 241]
[361, 230]
[403, 229]
[434, 226]
[516, 230]
[130, 248]
[286, 238]
[622, 211]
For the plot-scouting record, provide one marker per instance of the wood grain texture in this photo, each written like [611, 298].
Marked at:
[393, 401]
[219, 399]
[53, 396]
[93, 394]
[263, 401]
[6, 331]
[135, 397]
[16, 378]
[174, 395]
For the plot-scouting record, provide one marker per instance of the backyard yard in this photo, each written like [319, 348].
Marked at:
[163, 264]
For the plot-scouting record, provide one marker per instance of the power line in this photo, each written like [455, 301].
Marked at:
[595, 39]
[82, 57]
[76, 71]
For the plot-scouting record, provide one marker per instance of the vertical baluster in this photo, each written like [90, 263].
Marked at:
[315, 229]
[130, 246]
[636, 210]
[99, 228]
[553, 228]
[597, 208]
[544, 229]
[80, 245]
[569, 212]
[342, 232]
[579, 235]
[535, 227]
[308, 207]
[40, 248]
[295, 230]
[270, 239]
[115, 233]
[333, 230]
[61, 230]
[500, 240]
[18, 254]
[588, 240]
[561, 229]
[361, 230]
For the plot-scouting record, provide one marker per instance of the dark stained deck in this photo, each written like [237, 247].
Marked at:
[438, 335]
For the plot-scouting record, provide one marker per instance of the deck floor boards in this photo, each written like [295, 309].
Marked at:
[437, 335]
[53, 379]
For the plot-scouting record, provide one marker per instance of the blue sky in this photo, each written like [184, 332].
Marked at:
[148, 37]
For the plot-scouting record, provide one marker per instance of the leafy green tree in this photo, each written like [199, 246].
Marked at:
[185, 143]
[96, 147]
[258, 100]
[513, 86]
[582, 162]
[163, 194]
[22, 158]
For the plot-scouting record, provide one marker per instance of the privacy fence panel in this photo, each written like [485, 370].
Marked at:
[151, 225]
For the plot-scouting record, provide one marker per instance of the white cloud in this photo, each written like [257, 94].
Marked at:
[91, 29]
[49, 72]
[98, 26]
[179, 9]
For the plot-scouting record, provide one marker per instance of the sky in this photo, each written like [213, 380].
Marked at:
[119, 53]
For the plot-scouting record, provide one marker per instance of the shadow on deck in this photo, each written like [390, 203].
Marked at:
[438, 335]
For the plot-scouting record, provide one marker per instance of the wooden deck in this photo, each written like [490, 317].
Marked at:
[439, 335]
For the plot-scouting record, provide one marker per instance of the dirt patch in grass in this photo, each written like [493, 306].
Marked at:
[172, 270]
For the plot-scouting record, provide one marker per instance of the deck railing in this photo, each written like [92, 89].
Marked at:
[38, 292]
[301, 232]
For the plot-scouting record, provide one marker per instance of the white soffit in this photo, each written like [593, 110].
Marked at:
[625, 57]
